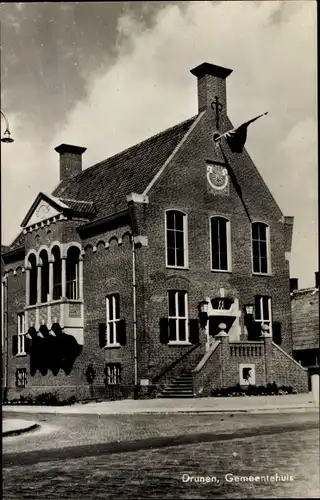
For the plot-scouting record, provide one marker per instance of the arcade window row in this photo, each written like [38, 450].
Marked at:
[50, 278]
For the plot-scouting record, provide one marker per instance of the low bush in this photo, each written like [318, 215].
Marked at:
[44, 398]
[252, 390]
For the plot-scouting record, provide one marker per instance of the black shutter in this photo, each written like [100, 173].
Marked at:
[276, 332]
[27, 344]
[102, 334]
[121, 332]
[213, 327]
[172, 333]
[164, 333]
[14, 345]
[194, 331]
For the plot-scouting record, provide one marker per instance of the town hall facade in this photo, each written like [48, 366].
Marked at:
[161, 271]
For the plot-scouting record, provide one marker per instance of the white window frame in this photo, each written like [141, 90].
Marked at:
[229, 251]
[268, 249]
[113, 321]
[21, 334]
[263, 320]
[185, 239]
[176, 317]
[113, 374]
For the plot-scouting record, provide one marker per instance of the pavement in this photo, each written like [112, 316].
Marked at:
[12, 427]
[248, 404]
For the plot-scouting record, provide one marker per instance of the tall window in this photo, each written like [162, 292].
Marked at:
[113, 318]
[178, 316]
[21, 334]
[260, 247]
[262, 311]
[33, 279]
[57, 283]
[220, 237]
[176, 239]
[72, 269]
[44, 275]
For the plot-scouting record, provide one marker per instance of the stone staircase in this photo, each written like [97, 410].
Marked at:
[180, 387]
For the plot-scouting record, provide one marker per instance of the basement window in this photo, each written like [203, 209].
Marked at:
[21, 377]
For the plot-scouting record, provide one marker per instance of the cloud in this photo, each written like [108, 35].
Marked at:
[147, 88]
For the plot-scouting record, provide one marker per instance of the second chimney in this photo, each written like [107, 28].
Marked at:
[211, 84]
[70, 160]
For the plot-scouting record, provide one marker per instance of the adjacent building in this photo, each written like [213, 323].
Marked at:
[168, 261]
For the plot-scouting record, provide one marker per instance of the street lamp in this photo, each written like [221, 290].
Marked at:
[7, 134]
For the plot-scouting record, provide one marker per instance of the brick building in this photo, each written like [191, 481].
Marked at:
[305, 323]
[125, 272]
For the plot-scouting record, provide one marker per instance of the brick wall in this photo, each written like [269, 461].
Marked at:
[288, 372]
[184, 186]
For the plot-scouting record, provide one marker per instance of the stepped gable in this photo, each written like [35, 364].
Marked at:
[107, 183]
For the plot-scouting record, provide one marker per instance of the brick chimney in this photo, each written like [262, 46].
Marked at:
[211, 84]
[70, 160]
[293, 284]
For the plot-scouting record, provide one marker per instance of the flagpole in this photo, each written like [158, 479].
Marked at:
[234, 129]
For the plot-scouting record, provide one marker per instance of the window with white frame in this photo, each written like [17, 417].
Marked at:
[176, 239]
[113, 318]
[262, 311]
[260, 248]
[21, 334]
[178, 316]
[21, 377]
[220, 244]
[113, 373]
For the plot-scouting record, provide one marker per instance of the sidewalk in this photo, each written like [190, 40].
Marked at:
[249, 404]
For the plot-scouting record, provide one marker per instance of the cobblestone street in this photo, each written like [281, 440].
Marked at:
[158, 473]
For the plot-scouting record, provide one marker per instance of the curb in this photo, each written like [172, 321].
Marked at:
[294, 409]
[16, 432]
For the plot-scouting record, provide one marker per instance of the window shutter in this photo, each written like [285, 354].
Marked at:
[194, 331]
[27, 344]
[276, 332]
[102, 334]
[15, 345]
[164, 333]
[121, 332]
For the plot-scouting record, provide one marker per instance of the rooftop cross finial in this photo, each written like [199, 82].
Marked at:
[217, 107]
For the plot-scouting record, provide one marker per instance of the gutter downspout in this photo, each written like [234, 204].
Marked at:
[134, 297]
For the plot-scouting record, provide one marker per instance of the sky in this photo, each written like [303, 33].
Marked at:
[108, 75]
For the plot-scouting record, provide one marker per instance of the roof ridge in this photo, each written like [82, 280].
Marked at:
[130, 148]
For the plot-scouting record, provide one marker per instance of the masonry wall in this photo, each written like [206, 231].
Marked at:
[288, 372]
[107, 269]
[184, 186]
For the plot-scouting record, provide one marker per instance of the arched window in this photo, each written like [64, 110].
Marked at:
[72, 273]
[57, 282]
[33, 279]
[44, 275]
[220, 244]
[260, 247]
[176, 239]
